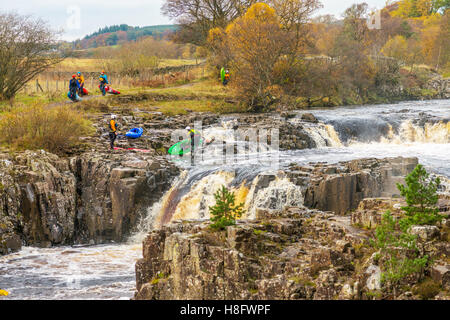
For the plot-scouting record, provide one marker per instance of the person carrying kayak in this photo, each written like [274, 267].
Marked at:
[112, 130]
[226, 77]
[103, 82]
[80, 79]
[195, 137]
[73, 88]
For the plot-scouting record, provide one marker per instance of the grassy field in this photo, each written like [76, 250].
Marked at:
[95, 65]
[177, 93]
[203, 95]
[198, 95]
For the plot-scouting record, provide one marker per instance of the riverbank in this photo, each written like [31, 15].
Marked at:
[96, 196]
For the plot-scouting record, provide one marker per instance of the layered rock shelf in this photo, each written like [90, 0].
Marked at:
[46, 200]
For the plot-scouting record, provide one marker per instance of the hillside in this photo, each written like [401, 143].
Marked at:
[117, 34]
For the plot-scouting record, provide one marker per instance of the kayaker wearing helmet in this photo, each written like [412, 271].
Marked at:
[103, 82]
[112, 130]
[73, 87]
[195, 138]
[80, 79]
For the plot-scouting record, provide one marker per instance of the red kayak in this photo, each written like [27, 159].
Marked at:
[110, 90]
[133, 149]
[85, 92]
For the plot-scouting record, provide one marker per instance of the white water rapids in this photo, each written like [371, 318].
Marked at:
[408, 129]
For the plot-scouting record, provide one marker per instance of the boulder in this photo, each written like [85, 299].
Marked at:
[373, 282]
[441, 274]
[309, 117]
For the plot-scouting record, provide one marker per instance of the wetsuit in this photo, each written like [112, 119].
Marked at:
[226, 79]
[112, 132]
[103, 81]
[195, 138]
[80, 79]
[73, 88]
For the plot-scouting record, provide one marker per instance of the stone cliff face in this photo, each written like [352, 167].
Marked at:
[294, 253]
[341, 188]
[290, 255]
[112, 194]
[46, 200]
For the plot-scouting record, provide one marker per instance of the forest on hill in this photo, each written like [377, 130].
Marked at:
[119, 34]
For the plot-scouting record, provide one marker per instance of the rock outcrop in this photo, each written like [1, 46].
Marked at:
[295, 254]
[441, 86]
[93, 198]
[341, 188]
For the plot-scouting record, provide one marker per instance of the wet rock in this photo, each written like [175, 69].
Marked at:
[309, 117]
[10, 243]
[354, 181]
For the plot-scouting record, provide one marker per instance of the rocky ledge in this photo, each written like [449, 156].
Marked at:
[320, 252]
[92, 198]
[291, 254]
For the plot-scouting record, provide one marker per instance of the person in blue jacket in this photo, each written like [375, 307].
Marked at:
[103, 82]
[74, 86]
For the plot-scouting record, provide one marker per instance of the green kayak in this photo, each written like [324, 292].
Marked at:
[183, 147]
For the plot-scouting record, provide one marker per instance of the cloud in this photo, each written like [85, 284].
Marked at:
[95, 14]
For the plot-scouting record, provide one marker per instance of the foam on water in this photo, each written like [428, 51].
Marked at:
[65, 273]
[409, 129]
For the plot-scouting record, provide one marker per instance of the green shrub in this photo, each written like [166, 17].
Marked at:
[34, 127]
[421, 198]
[224, 213]
[399, 256]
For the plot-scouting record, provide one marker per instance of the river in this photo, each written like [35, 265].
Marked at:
[410, 129]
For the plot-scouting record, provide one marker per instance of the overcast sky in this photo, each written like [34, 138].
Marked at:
[93, 14]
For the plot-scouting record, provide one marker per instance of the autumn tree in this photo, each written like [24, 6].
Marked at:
[27, 48]
[443, 43]
[257, 43]
[396, 47]
[420, 8]
[263, 48]
[197, 17]
[352, 49]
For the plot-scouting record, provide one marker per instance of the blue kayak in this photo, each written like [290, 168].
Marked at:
[75, 99]
[135, 133]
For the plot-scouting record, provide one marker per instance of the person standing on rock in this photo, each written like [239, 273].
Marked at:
[112, 131]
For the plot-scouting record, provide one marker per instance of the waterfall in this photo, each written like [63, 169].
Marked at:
[430, 133]
[326, 135]
[191, 197]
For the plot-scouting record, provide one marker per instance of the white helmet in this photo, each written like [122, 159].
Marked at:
[113, 116]
[188, 128]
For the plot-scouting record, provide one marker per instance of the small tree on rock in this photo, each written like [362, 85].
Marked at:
[224, 213]
[421, 197]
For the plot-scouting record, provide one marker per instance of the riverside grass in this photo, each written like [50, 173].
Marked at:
[55, 129]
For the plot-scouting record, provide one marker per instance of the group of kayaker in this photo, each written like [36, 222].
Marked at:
[76, 86]
[194, 135]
